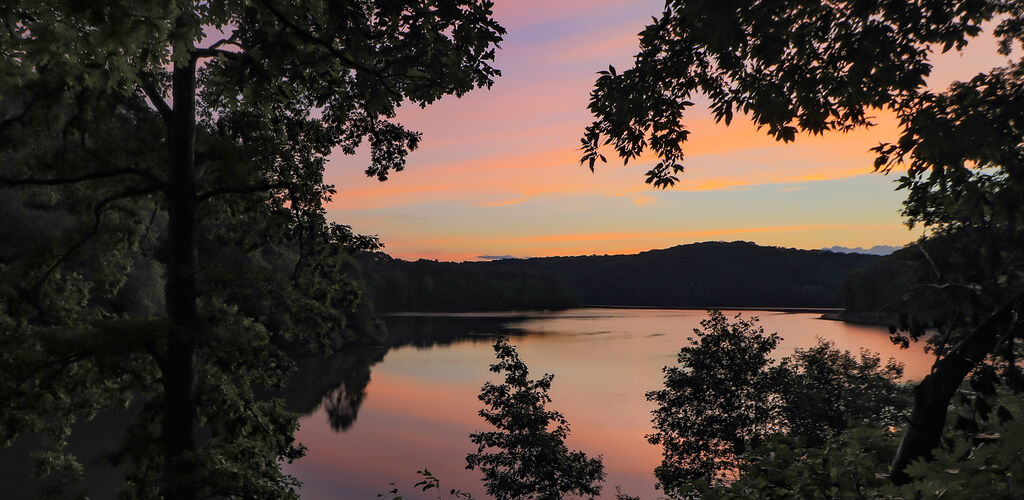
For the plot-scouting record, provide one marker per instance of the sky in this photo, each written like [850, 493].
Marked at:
[498, 173]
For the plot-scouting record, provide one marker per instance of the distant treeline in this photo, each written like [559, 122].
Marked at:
[427, 285]
[710, 274]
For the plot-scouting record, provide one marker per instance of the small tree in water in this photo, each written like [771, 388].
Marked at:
[526, 457]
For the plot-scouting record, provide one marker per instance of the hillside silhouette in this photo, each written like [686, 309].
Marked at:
[708, 274]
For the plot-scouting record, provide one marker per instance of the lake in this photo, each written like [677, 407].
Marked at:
[414, 405]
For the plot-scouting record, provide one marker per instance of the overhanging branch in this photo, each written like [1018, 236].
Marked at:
[342, 58]
[24, 111]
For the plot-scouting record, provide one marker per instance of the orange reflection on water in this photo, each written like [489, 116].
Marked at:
[421, 404]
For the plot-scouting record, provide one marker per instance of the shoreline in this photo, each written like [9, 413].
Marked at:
[832, 312]
[823, 310]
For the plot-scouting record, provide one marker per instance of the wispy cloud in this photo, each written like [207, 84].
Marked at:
[504, 203]
[498, 171]
[644, 200]
[683, 235]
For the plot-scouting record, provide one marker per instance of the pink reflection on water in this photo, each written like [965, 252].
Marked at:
[421, 404]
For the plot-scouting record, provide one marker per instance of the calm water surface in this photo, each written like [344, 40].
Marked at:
[420, 403]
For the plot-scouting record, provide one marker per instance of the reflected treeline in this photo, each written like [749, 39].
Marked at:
[338, 382]
[425, 331]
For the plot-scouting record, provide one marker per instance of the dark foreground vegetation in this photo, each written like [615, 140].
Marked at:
[711, 274]
[166, 247]
[734, 423]
[166, 252]
[826, 68]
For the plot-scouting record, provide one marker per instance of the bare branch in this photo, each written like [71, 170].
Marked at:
[927, 256]
[24, 111]
[973, 287]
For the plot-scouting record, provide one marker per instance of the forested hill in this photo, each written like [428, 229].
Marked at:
[710, 274]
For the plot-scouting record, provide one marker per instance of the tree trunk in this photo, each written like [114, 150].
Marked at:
[179, 368]
[933, 395]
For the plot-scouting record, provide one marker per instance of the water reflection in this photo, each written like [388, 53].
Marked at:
[430, 330]
[420, 405]
[336, 385]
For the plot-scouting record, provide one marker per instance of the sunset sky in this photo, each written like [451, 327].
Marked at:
[498, 171]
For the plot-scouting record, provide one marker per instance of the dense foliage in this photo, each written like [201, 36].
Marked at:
[790, 67]
[83, 299]
[826, 390]
[526, 456]
[182, 145]
[796, 67]
[727, 398]
[718, 399]
[854, 464]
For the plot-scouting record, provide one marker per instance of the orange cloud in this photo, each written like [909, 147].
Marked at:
[563, 238]
[718, 158]
[498, 166]
[627, 242]
[505, 203]
[644, 200]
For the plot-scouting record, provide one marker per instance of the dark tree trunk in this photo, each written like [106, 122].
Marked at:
[179, 369]
[933, 395]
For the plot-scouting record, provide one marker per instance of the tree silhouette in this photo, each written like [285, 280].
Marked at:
[726, 400]
[251, 97]
[527, 455]
[718, 400]
[819, 68]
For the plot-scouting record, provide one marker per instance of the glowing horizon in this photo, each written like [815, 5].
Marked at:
[498, 174]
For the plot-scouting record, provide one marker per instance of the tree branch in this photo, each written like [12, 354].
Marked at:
[224, 41]
[935, 268]
[973, 287]
[933, 394]
[97, 212]
[212, 52]
[244, 189]
[156, 98]
[31, 181]
[342, 58]
[24, 111]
